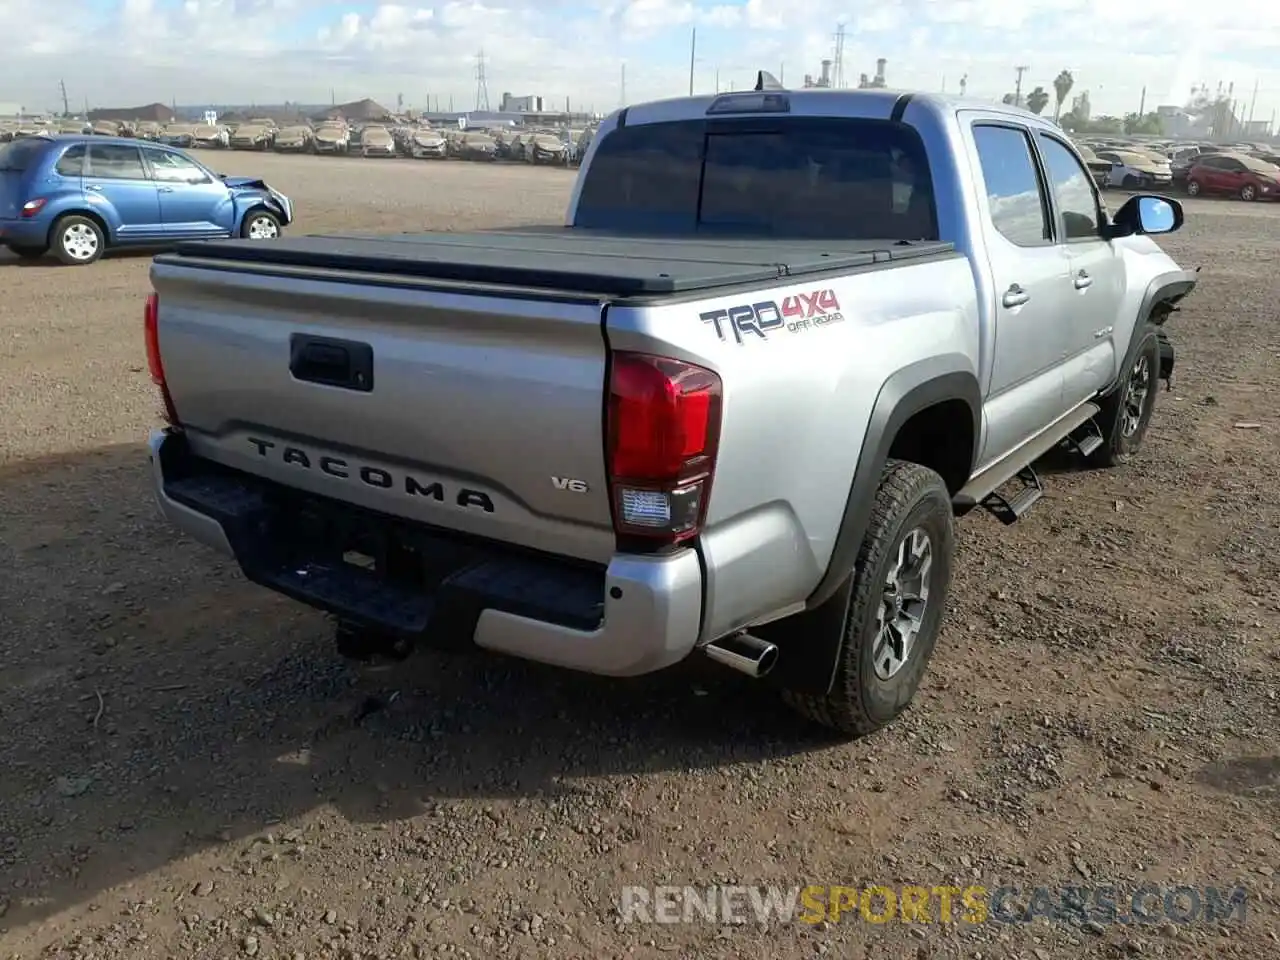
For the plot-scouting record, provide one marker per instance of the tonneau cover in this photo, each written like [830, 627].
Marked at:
[581, 261]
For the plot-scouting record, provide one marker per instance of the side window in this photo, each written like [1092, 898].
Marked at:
[1073, 189]
[1014, 193]
[71, 164]
[110, 161]
[173, 167]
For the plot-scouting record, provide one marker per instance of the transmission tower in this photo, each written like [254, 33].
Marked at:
[838, 80]
[1017, 90]
[482, 84]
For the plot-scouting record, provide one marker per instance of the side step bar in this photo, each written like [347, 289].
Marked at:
[981, 490]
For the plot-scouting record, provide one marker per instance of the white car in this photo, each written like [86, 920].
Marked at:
[1131, 170]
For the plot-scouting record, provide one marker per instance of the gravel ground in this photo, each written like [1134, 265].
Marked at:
[188, 771]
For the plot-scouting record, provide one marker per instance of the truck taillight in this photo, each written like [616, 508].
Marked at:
[151, 328]
[663, 434]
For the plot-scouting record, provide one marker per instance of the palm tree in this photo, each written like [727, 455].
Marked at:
[1062, 85]
[1037, 100]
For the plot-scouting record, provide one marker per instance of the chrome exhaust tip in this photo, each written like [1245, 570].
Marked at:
[744, 653]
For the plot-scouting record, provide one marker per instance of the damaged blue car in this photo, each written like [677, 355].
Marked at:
[77, 196]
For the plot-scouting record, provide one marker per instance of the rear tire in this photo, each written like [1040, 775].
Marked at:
[1126, 411]
[895, 599]
[77, 241]
[1193, 188]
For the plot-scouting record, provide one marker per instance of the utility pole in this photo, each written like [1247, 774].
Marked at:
[623, 94]
[717, 79]
[693, 52]
[782, 72]
[1017, 89]
[1142, 104]
[66, 107]
[838, 80]
[1253, 101]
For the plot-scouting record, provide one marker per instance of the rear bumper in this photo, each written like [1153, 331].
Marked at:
[24, 233]
[638, 615]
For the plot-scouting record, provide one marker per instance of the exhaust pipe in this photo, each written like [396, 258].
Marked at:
[744, 653]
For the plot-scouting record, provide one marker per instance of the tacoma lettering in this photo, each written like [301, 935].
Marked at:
[376, 477]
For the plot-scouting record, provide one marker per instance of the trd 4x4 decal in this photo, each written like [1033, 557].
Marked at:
[798, 312]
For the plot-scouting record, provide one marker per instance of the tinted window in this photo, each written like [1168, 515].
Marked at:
[18, 155]
[173, 167]
[1072, 188]
[71, 163]
[828, 178]
[1018, 208]
[114, 162]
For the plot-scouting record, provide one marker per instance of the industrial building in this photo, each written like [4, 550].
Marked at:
[530, 104]
[154, 112]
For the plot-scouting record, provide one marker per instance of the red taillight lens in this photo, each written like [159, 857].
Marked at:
[663, 435]
[32, 207]
[151, 330]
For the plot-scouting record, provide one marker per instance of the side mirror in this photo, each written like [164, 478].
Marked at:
[1147, 214]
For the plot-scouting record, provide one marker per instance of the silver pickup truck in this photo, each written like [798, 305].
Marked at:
[730, 408]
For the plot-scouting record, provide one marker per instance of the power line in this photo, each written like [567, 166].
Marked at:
[482, 83]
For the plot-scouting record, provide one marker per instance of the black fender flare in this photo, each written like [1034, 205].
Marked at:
[904, 394]
[1165, 288]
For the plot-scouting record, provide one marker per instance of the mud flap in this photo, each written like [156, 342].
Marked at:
[1166, 359]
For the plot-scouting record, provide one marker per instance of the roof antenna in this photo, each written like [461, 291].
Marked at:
[767, 81]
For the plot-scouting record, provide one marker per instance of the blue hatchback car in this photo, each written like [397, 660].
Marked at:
[78, 195]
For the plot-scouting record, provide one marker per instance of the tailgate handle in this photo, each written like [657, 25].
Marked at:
[333, 363]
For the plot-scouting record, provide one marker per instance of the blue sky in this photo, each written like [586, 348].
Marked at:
[133, 51]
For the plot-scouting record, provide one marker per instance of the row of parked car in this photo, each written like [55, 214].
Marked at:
[1249, 171]
[421, 141]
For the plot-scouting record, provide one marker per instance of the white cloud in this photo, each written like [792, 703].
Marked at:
[135, 51]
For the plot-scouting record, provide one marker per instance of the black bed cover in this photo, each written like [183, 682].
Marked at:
[566, 259]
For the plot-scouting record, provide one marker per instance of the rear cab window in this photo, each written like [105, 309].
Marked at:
[795, 177]
[18, 156]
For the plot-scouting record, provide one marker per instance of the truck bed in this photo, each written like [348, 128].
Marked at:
[562, 259]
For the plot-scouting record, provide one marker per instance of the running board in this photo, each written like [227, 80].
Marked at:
[982, 486]
[1086, 438]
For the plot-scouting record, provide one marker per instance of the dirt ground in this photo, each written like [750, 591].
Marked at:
[187, 770]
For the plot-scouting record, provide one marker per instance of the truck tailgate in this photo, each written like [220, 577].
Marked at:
[467, 412]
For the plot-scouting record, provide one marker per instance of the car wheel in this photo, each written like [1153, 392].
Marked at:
[1126, 411]
[1129, 182]
[260, 225]
[1193, 188]
[30, 253]
[77, 241]
[1249, 192]
[893, 604]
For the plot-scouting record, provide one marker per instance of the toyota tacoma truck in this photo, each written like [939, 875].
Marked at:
[729, 408]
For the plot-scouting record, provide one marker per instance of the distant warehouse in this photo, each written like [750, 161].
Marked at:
[154, 112]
